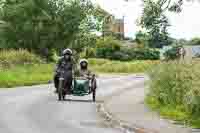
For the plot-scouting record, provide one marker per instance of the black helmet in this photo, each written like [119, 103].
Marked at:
[67, 51]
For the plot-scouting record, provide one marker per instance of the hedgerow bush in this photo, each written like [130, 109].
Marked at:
[105, 47]
[128, 54]
[10, 58]
[110, 48]
[143, 54]
[122, 56]
[176, 85]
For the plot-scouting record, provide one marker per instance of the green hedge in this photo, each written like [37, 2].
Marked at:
[110, 48]
[105, 47]
[127, 54]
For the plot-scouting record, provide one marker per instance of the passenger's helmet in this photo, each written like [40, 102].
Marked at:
[67, 51]
[83, 63]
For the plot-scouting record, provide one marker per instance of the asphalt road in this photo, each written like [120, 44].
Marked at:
[36, 109]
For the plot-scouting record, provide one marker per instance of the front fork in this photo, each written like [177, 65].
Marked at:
[61, 88]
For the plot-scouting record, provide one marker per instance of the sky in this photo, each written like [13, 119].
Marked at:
[183, 25]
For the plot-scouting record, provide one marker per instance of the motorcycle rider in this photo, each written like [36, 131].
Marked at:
[65, 64]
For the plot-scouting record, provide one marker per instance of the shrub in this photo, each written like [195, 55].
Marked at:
[90, 52]
[106, 47]
[194, 41]
[171, 54]
[119, 55]
[10, 58]
[110, 48]
[142, 54]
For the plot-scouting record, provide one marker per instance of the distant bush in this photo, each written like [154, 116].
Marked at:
[10, 58]
[145, 54]
[194, 41]
[106, 47]
[171, 54]
[120, 55]
[109, 48]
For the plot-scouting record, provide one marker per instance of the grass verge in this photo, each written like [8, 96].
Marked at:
[175, 92]
[108, 66]
[26, 75]
[172, 112]
[41, 73]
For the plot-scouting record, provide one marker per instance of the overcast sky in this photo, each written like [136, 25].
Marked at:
[183, 25]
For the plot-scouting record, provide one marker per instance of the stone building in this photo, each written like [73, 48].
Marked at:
[113, 26]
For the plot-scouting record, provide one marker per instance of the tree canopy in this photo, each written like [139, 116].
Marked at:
[43, 25]
[155, 21]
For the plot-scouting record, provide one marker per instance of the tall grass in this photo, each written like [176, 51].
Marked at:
[21, 68]
[9, 58]
[108, 66]
[175, 91]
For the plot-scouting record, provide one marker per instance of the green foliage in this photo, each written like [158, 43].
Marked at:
[43, 25]
[143, 54]
[106, 47]
[141, 39]
[156, 23]
[127, 54]
[181, 42]
[100, 15]
[176, 85]
[172, 53]
[121, 56]
[194, 41]
[9, 58]
[111, 49]
[90, 52]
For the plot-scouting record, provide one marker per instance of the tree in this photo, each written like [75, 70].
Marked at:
[194, 41]
[141, 39]
[175, 6]
[43, 25]
[155, 22]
